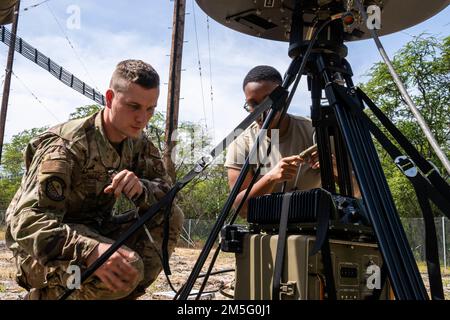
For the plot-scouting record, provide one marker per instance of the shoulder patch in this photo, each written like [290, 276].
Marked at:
[54, 166]
[54, 188]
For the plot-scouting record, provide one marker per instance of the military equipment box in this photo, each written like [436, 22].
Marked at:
[356, 267]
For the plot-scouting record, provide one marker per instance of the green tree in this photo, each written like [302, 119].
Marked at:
[12, 167]
[155, 130]
[205, 195]
[85, 111]
[423, 65]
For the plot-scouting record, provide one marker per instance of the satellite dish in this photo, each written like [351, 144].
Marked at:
[271, 19]
[7, 11]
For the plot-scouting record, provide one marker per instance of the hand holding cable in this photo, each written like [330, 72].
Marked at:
[127, 182]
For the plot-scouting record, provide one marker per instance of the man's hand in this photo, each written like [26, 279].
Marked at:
[117, 273]
[285, 170]
[127, 182]
[313, 160]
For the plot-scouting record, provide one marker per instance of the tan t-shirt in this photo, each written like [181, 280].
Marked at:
[298, 137]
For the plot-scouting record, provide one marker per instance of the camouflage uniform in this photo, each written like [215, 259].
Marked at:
[60, 212]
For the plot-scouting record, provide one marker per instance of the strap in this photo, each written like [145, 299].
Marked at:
[422, 188]
[322, 243]
[323, 218]
[281, 246]
[165, 242]
[407, 166]
[430, 172]
[431, 247]
[330, 286]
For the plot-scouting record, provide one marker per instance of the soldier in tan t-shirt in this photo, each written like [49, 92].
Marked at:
[295, 134]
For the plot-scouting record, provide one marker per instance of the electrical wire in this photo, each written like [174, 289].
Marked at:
[35, 96]
[34, 5]
[199, 64]
[71, 45]
[210, 78]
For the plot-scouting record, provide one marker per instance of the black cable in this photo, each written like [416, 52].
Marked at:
[208, 273]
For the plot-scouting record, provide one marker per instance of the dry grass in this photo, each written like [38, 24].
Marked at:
[7, 269]
[423, 269]
[182, 263]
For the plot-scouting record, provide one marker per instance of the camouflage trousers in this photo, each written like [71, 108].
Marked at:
[49, 283]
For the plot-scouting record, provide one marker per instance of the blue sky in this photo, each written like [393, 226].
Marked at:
[113, 30]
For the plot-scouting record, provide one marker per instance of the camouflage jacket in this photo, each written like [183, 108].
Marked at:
[67, 169]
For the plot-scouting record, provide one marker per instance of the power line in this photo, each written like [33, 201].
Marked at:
[71, 45]
[35, 96]
[199, 64]
[210, 76]
[53, 68]
[34, 5]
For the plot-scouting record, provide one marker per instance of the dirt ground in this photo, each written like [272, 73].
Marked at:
[181, 262]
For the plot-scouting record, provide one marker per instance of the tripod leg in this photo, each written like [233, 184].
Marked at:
[319, 119]
[329, 136]
[382, 188]
[342, 162]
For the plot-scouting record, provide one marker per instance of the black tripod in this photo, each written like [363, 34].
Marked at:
[342, 119]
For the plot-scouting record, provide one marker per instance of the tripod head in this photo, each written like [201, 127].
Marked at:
[305, 17]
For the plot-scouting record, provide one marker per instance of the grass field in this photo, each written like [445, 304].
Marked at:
[2, 233]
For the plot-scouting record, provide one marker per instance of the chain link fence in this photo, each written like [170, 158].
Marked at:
[415, 232]
[196, 232]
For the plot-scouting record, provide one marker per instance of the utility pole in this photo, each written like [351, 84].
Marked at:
[173, 98]
[7, 85]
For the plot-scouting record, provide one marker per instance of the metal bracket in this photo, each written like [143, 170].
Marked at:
[203, 163]
[288, 288]
[433, 169]
[407, 166]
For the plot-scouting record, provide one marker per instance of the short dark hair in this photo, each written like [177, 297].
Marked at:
[262, 73]
[134, 71]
